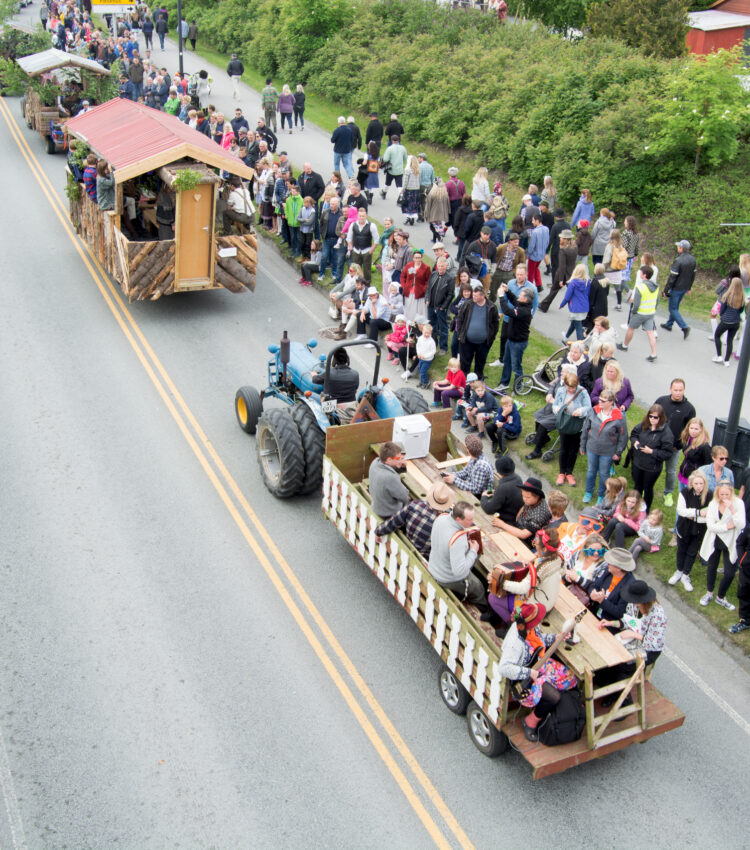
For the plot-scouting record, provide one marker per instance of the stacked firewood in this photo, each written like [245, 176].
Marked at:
[237, 273]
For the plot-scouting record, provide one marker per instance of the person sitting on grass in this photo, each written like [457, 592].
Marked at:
[397, 338]
[506, 425]
[477, 475]
[649, 534]
[626, 519]
[452, 386]
[482, 407]
[426, 350]
[614, 490]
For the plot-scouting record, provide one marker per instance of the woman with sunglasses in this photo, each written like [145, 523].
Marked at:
[652, 443]
[718, 470]
[587, 560]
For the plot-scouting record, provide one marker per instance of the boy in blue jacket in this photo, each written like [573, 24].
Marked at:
[506, 425]
[482, 408]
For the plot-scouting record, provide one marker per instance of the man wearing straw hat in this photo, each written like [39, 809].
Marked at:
[418, 516]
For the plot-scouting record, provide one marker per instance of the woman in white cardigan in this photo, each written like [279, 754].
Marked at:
[724, 522]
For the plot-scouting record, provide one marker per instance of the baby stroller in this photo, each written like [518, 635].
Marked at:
[193, 91]
[543, 376]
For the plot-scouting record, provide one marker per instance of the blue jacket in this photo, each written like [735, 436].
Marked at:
[584, 210]
[582, 402]
[486, 404]
[511, 423]
[127, 90]
[538, 243]
[576, 296]
[497, 230]
[342, 139]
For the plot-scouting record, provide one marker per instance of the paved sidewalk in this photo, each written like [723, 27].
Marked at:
[709, 386]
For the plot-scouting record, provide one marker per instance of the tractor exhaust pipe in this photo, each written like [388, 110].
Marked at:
[284, 352]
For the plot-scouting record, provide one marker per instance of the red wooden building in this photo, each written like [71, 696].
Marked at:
[726, 24]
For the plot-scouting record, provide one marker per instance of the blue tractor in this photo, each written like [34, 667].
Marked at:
[290, 440]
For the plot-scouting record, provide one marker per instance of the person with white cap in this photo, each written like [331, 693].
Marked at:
[375, 315]
[679, 282]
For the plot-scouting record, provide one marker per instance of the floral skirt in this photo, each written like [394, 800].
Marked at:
[557, 675]
[411, 202]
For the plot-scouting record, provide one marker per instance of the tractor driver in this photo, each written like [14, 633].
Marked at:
[343, 381]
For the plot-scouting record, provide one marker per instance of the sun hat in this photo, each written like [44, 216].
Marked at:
[620, 558]
[440, 496]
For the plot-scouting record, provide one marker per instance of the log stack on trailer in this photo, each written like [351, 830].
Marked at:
[140, 144]
[470, 681]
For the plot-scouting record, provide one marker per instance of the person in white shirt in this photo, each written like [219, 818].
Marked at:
[375, 315]
[426, 350]
[240, 207]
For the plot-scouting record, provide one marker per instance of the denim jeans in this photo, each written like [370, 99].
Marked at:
[576, 325]
[675, 297]
[513, 361]
[671, 465]
[338, 257]
[326, 257]
[344, 159]
[424, 371]
[597, 464]
[294, 240]
[439, 320]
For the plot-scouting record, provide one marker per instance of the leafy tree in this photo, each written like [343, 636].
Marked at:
[655, 27]
[702, 112]
[561, 15]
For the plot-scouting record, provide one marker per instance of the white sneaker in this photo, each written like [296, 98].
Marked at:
[406, 375]
[727, 363]
[724, 604]
[709, 336]
[643, 505]
[675, 577]
[706, 598]
[686, 583]
[624, 327]
[717, 359]
[361, 336]
[496, 363]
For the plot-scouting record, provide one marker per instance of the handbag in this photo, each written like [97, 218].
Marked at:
[580, 594]
[565, 422]
[400, 199]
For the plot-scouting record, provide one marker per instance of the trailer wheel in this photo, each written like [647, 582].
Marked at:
[313, 445]
[487, 738]
[530, 438]
[248, 408]
[454, 694]
[523, 385]
[548, 456]
[411, 400]
[51, 146]
[279, 450]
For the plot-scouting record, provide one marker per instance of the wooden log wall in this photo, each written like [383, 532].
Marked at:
[237, 273]
[151, 268]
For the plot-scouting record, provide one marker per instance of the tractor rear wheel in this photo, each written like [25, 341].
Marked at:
[248, 408]
[411, 400]
[280, 455]
[313, 445]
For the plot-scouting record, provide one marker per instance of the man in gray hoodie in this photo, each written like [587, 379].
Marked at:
[387, 491]
[645, 298]
[452, 555]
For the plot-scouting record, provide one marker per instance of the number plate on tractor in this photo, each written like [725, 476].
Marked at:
[329, 405]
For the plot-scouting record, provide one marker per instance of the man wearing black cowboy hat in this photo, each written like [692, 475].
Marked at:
[533, 514]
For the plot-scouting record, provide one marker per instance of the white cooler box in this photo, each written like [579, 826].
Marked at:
[413, 433]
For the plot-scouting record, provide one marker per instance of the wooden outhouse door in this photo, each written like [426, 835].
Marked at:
[194, 232]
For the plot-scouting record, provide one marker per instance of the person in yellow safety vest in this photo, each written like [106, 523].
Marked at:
[645, 296]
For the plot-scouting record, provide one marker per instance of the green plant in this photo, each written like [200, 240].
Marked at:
[186, 179]
[633, 22]
[48, 91]
[72, 189]
[13, 80]
[79, 153]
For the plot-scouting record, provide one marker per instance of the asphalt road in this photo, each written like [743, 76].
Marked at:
[157, 689]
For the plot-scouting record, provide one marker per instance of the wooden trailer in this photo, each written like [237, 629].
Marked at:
[140, 145]
[63, 72]
[470, 681]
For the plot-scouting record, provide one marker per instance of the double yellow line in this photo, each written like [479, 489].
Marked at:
[240, 510]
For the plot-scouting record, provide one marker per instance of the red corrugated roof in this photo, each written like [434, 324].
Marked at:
[127, 134]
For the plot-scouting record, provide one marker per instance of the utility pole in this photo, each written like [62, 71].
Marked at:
[179, 35]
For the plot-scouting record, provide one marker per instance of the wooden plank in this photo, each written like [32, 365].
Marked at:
[663, 716]
[417, 475]
[454, 461]
[603, 642]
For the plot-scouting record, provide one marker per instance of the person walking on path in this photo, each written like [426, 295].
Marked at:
[285, 106]
[679, 282]
[342, 147]
[538, 244]
[235, 70]
[645, 296]
[193, 33]
[394, 163]
[269, 97]
[162, 28]
[374, 131]
[730, 317]
[299, 107]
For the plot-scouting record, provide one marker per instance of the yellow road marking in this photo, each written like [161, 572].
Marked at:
[113, 298]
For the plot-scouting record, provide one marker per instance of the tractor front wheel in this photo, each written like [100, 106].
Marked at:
[411, 400]
[280, 454]
[248, 408]
[313, 445]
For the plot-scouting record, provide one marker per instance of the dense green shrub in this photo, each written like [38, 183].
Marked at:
[595, 113]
